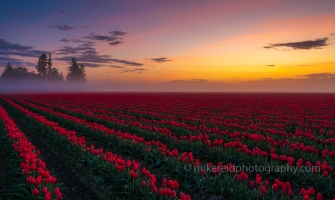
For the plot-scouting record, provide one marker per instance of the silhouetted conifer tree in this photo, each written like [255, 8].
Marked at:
[52, 73]
[17, 73]
[8, 72]
[42, 66]
[76, 73]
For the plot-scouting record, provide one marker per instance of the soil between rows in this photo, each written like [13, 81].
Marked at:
[3, 179]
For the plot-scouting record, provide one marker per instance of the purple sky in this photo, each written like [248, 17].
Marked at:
[223, 45]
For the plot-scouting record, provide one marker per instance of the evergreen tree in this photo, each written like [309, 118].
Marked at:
[52, 73]
[17, 73]
[76, 73]
[9, 71]
[42, 66]
[49, 69]
[55, 76]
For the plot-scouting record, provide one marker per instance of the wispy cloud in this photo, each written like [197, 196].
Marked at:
[86, 53]
[270, 65]
[68, 40]
[115, 43]
[62, 27]
[310, 78]
[117, 67]
[189, 81]
[16, 12]
[92, 36]
[92, 65]
[160, 59]
[13, 61]
[307, 44]
[132, 63]
[114, 39]
[138, 71]
[9, 49]
[117, 33]
[320, 76]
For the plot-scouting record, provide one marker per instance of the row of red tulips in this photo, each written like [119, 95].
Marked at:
[259, 111]
[289, 192]
[326, 169]
[277, 144]
[33, 168]
[148, 180]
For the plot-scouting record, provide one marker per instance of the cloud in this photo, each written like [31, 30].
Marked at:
[86, 53]
[117, 67]
[68, 40]
[132, 63]
[8, 49]
[117, 33]
[188, 81]
[16, 12]
[92, 36]
[270, 65]
[139, 70]
[92, 65]
[320, 76]
[114, 39]
[87, 46]
[307, 44]
[303, 79]
[160, 60]
[62, 27]
[7, 59]
[115, 43]
[14, 62]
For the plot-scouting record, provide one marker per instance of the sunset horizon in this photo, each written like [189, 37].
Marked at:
[190, 46]
[167, 100]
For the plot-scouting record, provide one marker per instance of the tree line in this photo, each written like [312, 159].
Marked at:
[45, 72]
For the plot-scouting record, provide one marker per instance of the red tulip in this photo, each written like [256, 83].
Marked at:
[36, 192]
[44, 190]
[311, 191]
[319, 196]
[144, 183]
[306, 197]
[59, 196]
[274, 187]
[252, 183]
[56, 190]
[25, 172]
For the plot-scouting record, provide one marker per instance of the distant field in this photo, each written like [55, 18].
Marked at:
[167, 146]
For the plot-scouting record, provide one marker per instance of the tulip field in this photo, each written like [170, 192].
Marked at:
[167, 146]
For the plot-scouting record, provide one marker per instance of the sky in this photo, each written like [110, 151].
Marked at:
[188, 45]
